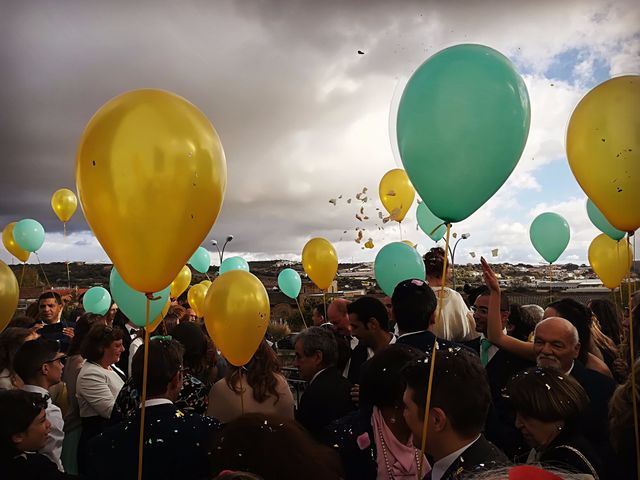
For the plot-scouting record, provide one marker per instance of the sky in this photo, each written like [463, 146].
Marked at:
[302, 115]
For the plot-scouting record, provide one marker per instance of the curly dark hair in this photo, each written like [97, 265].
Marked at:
[260, 372]
[434, 262]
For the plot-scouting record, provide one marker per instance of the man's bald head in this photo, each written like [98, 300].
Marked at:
[556, 343]
[339, 316]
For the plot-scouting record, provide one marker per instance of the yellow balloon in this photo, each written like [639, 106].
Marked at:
[410, 243]
[320, 262]
[237, 315]
[610, 259]
[156, 321]
[151, 177]
[64, 204]
[603, 149]
[396, 193]
[206, 283]
[196, 297]
[9, 294]
[10, 244]
[181, 282]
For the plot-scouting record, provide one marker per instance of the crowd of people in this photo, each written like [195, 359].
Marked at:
[428, 383]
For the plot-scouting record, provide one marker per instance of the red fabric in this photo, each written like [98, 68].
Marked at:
[527, 472]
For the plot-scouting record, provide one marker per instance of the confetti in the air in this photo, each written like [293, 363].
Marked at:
[473, 254]
[369, 243]
[494, 252]
[333, 201]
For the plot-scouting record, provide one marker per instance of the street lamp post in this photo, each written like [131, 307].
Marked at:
[464, 236]
[214, 242]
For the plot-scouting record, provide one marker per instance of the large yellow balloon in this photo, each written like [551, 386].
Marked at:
[9, 294]
[320, 262]
[151, 176]
[396, 193]
[237, 315]
[195, 297]
[181, 282]
[64, 204]
[603, 149]
[610, 259]
[10, 244]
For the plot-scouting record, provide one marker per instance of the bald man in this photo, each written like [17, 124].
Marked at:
[556, 345]
[339, 316]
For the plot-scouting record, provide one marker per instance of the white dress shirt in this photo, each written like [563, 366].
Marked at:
[97, 389]
[441, 466]
[492, 349]
[53, 447]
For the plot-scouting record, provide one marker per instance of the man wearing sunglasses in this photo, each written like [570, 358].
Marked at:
[39, 363]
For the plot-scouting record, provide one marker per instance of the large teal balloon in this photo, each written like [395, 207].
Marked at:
[549, 233]
[428, 222]
[96, 300]
[289, 282]
[233, 263]
[201, 260]
[396, 262]
[601, 222]
[29, 234]
[133, 303]
[462, 125]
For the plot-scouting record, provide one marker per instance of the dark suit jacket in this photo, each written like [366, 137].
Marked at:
[326, 398]
[176, 447]
[481, 455]
[358, 358]
[424, 341]
[572, 452]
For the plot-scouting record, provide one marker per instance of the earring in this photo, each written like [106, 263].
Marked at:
[559, 428]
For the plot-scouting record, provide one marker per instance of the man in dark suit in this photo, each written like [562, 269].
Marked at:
[460, 398]
[175, 444]
[500, 366]
[327, 396]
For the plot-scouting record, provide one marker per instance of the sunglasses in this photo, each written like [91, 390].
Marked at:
[60, 359]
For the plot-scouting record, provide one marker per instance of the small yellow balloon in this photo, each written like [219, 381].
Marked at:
[410, 243]
[396, 193]
[237, 315]
[610, 259]
[156, 321]
[10, 244]
[206, 283]
[603, 149]
[320, 262]
[151, 176]
[9, 294]
[196, 297]
[64, 204]
[181, 282]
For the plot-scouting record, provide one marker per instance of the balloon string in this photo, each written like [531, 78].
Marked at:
[324, 302]
[400, 228]
[42, 268]
[301, 314]
[434, 230]
[207, 275]
[143, 398]
[241, 395]
[64, 229]
[634, 392]
[550, 284]
[433, 362]
[24, 266]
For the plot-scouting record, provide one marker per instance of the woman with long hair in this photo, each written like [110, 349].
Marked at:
[608, 318]
[258, 387]
[10, 341]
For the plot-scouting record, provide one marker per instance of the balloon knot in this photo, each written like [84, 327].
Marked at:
[151, 297]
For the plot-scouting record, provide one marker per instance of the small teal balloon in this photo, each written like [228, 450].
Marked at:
[29, 234]
[550, 234]
[233, 263]
[463, 121]
[289, 282]
[200, 260]
[96, 300]
[396, 262]
[601, 222]
[133, 303]
[428, 222]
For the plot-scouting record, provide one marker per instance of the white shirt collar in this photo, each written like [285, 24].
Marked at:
[570, 369]
[441, 466]
[314, 377]
[412, 333]
[37, 389]
[157, 401]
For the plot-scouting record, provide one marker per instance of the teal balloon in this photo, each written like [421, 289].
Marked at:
[200, 260]
[133, 303]
[601, 222]
[550, 234]
[29, 234]
[289, 282]
[428, 222]
[96, 300]
[396, 262]
[462, 125]
[233, 263]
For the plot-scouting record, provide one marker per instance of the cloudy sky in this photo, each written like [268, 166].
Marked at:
[303, 116]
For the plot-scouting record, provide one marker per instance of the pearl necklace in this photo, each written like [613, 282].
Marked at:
[386, 458]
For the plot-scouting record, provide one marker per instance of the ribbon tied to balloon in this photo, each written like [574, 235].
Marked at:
[151, 177]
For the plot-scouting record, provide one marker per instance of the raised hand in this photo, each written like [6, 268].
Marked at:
[490, 279]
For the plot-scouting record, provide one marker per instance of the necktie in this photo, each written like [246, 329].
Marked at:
[484, 351]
